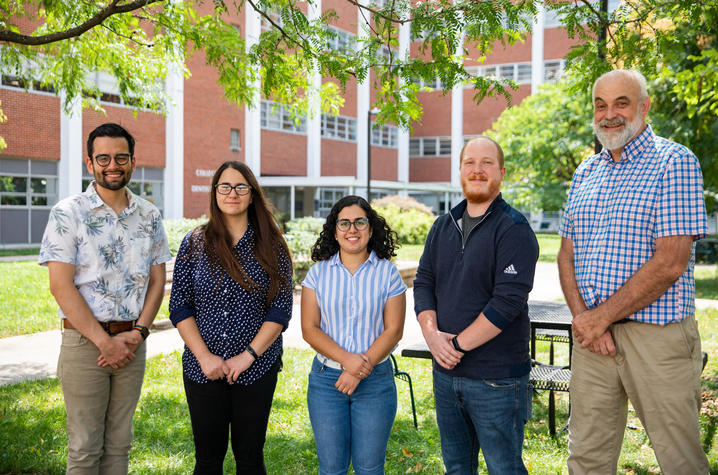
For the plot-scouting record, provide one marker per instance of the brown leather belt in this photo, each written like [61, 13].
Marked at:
[112, 328]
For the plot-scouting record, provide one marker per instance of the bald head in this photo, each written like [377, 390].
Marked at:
[630, 77]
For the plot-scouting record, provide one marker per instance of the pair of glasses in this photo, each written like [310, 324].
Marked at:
[360, 224]
[226, 188]
[121, 159]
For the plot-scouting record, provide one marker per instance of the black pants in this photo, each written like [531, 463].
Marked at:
[216, 405]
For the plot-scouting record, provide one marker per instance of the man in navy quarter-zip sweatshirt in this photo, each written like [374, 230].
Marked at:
[470, 293]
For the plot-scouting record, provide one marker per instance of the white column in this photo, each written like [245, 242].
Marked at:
[363, 99]
[292, 198]
[403, 136]
[174, 144]
[72, 161]
[252, 119]
[537, 48]
[457, 130]
[314, 117]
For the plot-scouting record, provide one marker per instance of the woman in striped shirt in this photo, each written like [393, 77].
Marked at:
[353, 306]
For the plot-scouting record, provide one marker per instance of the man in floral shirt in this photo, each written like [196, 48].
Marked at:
[105, 250]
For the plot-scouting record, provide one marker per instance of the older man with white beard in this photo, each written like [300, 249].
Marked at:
[626, 268]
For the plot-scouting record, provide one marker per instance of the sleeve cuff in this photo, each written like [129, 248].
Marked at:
[181, 313]
[495, 317]
[277, 315]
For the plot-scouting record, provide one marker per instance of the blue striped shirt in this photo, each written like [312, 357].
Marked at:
[617, 210]
[352, 305]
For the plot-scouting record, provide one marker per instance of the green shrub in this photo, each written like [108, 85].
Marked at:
[301, 235]
[404, 203]
[410, 219]
[177, 229]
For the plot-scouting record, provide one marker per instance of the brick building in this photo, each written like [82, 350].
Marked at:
[303, 168]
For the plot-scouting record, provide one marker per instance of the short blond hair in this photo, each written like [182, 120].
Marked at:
[499, 150]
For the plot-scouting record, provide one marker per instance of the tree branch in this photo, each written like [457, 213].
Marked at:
[111, 9]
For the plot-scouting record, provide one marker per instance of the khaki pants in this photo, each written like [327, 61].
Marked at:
[656, 368]
[100, 403]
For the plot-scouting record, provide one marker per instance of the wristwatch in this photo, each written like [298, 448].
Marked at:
[455, 342]
[144, 331]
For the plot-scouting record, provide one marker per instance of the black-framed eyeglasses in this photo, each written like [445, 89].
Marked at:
[225, 188]
[121, 159]
[360, 224]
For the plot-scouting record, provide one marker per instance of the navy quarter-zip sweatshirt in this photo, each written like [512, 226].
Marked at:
[492, 273]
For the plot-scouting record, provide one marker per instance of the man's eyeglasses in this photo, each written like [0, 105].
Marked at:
[360, 224]
[226, 188]
[121, 159]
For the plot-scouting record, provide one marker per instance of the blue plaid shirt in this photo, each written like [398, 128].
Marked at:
[617, 210]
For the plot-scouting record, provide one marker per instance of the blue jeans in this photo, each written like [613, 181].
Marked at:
[475, 414]
[355, 427]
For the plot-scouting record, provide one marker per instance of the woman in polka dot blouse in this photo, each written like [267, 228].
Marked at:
[231, 299]
[353, 307]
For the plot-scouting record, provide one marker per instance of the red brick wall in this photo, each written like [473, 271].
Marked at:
[32, 129]
[147, 128]
[430, 169]
[284, 153]
[383, 163]
[208, 119]
[339, 158]
[436, 121]
[479, 118]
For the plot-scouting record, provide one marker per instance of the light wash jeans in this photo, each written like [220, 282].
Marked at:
[355, 427]
[475, 414]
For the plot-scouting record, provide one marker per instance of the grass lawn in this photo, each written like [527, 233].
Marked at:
[33, 438]
[707, 281]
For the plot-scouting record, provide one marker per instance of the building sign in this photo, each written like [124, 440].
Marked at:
[201, 188]
[201, 172]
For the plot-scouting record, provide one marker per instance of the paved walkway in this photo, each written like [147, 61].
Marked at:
[35, 356]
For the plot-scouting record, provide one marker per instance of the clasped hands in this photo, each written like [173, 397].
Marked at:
[357, 366]
[443, 350]
[590, 329]
[119, 349]
[215, 367]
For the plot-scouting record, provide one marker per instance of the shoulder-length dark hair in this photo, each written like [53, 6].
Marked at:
[218, 245]
[383, 240]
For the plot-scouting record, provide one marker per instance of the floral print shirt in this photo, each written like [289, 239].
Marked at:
[112, 254]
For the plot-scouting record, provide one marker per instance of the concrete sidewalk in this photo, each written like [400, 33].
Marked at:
[35, 356]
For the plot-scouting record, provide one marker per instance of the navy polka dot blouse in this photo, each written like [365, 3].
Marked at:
[228, 316]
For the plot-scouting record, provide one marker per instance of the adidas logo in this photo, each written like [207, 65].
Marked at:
[510, 270]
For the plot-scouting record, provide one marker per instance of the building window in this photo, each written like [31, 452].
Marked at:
[146, 182]
[385, 136]
[276, 117]
[234, 140]
[430, 146]
[552, 70]
[326, 197]
[28, 189]
[340, 40]
[339, 127]
[517, 72]
[16, 82]
[433, 84]
[273, 14]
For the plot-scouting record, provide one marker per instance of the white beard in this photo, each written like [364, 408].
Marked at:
[617, 140]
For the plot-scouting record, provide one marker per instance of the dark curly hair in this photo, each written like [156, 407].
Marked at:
[383, 240]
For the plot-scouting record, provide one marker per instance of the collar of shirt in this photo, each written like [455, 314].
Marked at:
[246, 241]
[335, 260]
[96, 201]
[635, 148]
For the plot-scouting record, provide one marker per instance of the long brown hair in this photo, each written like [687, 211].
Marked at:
[219, 247]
